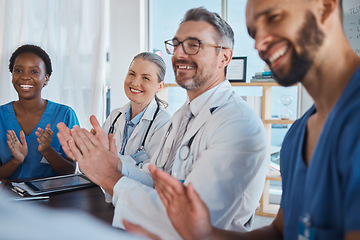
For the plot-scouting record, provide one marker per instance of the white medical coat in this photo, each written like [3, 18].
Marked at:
[155, 134]
[227, 166]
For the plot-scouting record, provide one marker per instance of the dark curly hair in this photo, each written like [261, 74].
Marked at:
[32, 49]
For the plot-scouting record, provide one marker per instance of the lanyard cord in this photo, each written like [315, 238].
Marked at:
[112, 127]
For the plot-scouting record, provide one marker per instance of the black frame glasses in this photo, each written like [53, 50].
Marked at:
[191, 46]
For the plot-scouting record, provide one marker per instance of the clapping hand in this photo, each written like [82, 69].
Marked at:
[185, 209]
[187, 212]
[95, 153]
[44, 138]
[18, 148]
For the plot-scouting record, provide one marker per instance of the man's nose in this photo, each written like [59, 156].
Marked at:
[262, 39]
[179, 51]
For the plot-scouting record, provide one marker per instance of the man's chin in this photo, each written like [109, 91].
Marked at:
[288, 80]
[282, 77]
[188, 85]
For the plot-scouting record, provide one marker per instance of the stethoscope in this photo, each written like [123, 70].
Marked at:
[185, 149]
[184, 152]
[112, 127]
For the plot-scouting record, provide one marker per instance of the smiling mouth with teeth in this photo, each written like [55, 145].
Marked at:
[185, 67]
[26, 86]
[135, 91]
[277, 55]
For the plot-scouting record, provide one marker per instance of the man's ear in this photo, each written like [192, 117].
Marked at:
[227, 56]
[329, 7]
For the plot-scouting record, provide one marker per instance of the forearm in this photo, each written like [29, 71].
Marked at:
[109, 182]
[9, 168]
[58, 163]
[274, 231]
[268, 232]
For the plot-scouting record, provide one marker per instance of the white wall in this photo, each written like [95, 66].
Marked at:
[305, 101]
[128, 37]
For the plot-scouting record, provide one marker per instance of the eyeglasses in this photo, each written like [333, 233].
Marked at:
[191, 46]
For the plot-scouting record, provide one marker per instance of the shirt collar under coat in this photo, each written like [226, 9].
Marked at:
[208, 101]
[203, 106]
[149, 111]
[135, 119]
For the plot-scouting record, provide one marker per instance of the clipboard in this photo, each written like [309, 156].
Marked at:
[43, 186]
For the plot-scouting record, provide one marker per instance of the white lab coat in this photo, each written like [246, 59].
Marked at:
[227, 166]
[156, 131]
[31, 222]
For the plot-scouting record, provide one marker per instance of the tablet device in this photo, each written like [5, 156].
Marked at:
[59, 183]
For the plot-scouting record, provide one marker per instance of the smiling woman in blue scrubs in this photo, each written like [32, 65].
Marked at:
[27, 126]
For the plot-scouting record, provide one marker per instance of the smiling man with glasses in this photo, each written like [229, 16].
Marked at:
[191, 46]
[215, 140]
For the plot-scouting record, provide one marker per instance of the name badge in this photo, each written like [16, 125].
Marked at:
[140, 157]
[305, 230]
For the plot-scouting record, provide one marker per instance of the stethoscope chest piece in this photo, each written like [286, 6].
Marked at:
[184, 152]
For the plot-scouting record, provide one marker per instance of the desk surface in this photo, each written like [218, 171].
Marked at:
[90, 200]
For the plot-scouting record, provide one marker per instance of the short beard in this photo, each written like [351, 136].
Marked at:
[192, 84]
[310, 38]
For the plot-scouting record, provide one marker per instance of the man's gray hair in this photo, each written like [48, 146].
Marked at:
[225, 32]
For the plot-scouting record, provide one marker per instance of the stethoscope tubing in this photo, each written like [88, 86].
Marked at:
[112, 127]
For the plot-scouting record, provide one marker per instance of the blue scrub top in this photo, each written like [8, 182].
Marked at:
[328, 190]
[34, 165]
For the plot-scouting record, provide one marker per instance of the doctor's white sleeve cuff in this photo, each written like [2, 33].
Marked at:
[117, 190]
[124, 169]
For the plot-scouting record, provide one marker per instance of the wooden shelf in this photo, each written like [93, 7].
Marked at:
[236, 84]
[259, 84]
[273, 175]
[278, 121]
[265, 208]
[171, 85]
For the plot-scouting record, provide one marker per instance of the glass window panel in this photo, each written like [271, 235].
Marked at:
[177, 97]
[164, 20]
[244, 44]
[278, 132]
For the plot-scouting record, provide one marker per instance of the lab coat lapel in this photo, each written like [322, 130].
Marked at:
[119, 126]
[199, 121]
[175, 121]
[164, 149]
[148, 116]
[218, 98]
